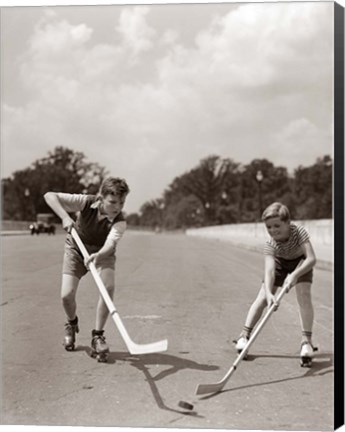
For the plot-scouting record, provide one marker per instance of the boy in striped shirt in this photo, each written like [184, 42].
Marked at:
[289, 244]
[100, 224]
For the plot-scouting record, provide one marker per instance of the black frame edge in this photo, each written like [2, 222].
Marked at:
[338, 207]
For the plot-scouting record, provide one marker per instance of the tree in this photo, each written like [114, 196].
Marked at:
[183, 212]
[212, 182]
[63, 170]
[313, 189]
[221, 191]
[133, 219]
[258, 193]
[151, 213]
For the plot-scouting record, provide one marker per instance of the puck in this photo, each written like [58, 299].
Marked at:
[185, 405]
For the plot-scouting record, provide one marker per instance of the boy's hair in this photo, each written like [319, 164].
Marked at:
[113, 186]
[276, 209]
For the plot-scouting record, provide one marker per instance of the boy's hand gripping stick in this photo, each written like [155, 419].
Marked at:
[133, 347]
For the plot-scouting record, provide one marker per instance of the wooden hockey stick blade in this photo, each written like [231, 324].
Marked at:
[217, 387]
[132, 347]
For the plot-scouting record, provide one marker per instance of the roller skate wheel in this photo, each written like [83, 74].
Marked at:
[306, 362]
[69, 347]
[245, 357]
[102, 358]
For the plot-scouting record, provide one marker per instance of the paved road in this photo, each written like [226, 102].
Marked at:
[192, 291]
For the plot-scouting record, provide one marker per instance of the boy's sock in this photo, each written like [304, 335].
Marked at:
[306, 336]
[247, 331]
[74, 321]
[97, 332]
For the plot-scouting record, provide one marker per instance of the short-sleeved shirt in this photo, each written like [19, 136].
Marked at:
[291, 248]
[288, 254]
[94, 229]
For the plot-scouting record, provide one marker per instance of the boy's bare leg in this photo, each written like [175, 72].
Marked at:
[68, 294]
[99, 346]
[253, 316]
[108, 276]
[306, 310]
[255, 311]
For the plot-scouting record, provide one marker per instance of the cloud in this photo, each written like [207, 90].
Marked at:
[136, 34]
[251, 72]
[50, 38]
[255, 47]
[170, 37]
[149, 107]
[301, 135]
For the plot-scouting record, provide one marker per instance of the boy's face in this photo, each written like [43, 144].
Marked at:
[113, 204]
[278, 229]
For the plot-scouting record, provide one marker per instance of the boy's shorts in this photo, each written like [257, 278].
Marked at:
[284, 267]
[73, 261]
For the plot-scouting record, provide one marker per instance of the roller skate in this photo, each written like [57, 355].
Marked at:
[240, 345]
[71, 328]
[99, 347]
[307, 354]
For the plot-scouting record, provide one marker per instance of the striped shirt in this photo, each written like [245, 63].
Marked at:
[291, 248]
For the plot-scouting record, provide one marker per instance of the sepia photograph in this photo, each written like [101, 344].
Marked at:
[171, 174]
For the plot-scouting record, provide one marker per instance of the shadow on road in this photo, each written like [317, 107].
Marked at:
[176, 364]
[142, 363]
[320, 367]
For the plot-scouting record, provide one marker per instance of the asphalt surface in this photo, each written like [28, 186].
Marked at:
[195, 293]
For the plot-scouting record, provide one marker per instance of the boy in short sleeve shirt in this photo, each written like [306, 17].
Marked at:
[100, 224]
[289, 261]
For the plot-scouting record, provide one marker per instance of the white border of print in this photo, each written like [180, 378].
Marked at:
[11, 3]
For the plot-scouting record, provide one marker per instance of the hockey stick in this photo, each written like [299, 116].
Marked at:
[217, 387]
[133, 347]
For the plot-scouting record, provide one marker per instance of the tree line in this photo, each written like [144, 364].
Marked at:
[61, 170]
[221, 191]
[216, 191]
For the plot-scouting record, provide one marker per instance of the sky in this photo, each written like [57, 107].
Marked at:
[147, 91]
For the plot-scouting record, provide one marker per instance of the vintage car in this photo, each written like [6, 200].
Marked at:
[43, 224]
